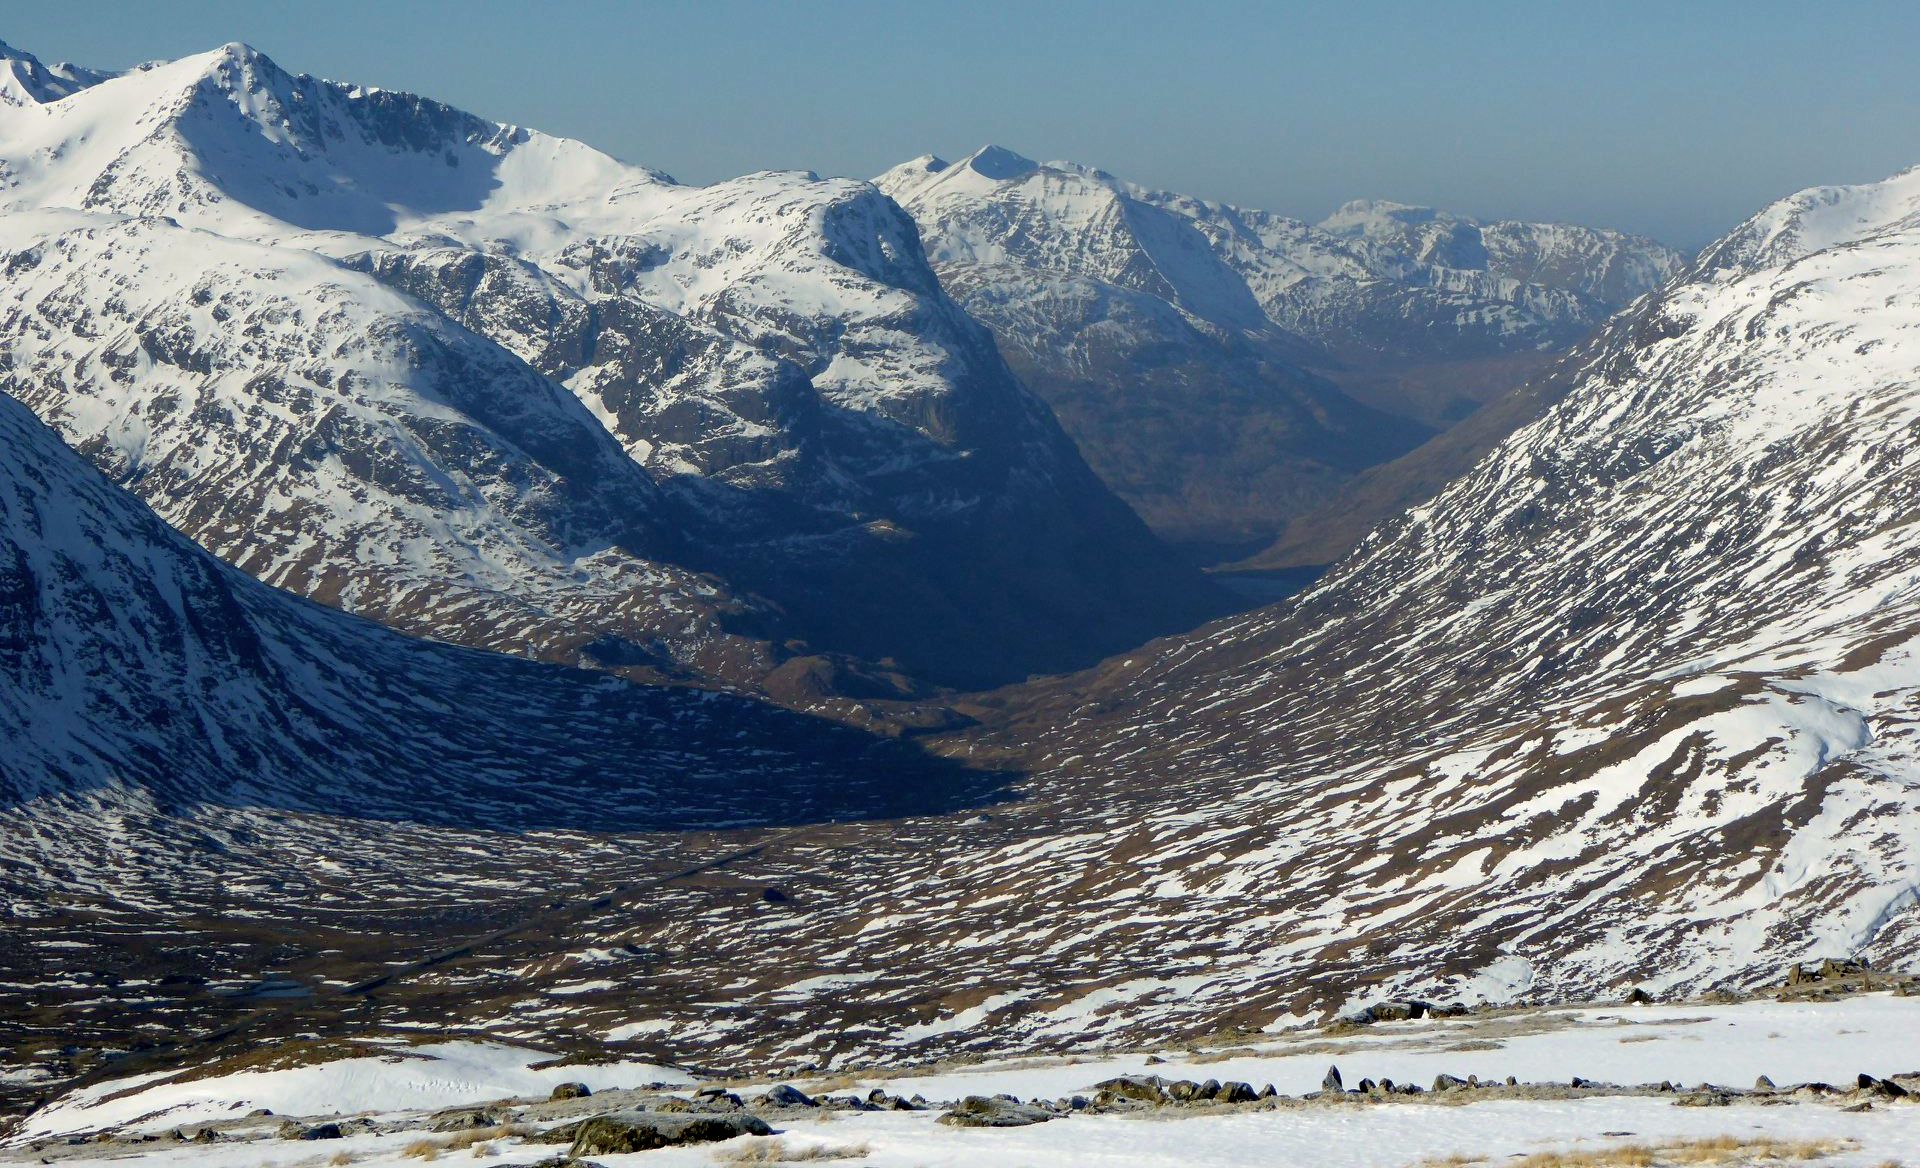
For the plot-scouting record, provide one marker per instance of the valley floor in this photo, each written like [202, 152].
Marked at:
[1545, 1122]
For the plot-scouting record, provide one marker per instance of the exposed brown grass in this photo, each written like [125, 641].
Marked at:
[1716, 1150]
[777, 1151]
[1221, 1056]
[475, 1138]
[481, 1135]
[340, 1159]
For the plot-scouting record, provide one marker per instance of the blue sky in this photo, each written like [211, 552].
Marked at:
[1676, 119]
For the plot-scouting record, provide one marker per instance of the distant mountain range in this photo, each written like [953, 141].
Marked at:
[1228, 370]
[497, 388]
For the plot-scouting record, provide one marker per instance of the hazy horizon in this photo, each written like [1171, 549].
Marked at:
[1674, 124]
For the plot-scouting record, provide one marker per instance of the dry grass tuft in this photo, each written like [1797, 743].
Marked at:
[1221, 1056]
[774, 1150]
[340, 1159]
[1476, 1044]
[477, 1138]
[1718, 1150]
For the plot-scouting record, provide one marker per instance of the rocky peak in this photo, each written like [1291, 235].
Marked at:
[999, 164]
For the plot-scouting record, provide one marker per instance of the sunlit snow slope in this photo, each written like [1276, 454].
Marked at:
[499, 388]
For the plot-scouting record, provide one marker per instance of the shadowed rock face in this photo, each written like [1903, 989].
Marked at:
[496, 388]
[141, 672]
[1227, 371]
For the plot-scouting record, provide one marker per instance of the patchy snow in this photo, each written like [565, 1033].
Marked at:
[412, 1078]
[1724, 1044]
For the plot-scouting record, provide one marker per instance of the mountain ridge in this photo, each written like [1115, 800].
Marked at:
[836, 450]
[1167, 329]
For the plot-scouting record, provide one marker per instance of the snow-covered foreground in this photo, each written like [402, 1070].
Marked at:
[1727, 1045]
[411, 1078]
[1724, 1044]
[1374, 1137]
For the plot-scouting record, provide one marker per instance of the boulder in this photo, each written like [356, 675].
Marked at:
[1147, 1089]
[570, 1091]
[994, 1111]
[1183, 1090]
[462, 1119]
[1207, 1090]
[1763, 1083]
[717, 1098]
[293, 1130]
[881, 1101]
[1452, 1083]
[781, 1095]
[1332, 1083]
[1883, 1087]
[642, 1131]
[1235, 1092]
[1639, 997]
[1703, 1099]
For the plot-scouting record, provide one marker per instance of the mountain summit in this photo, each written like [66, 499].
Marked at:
[1227, 370]
[497, 387]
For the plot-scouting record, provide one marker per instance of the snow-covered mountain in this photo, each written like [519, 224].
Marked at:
[25, 80]
[182, 740]
[1208, 357]
[1631, 703]
[499, 388]
[143, 680]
